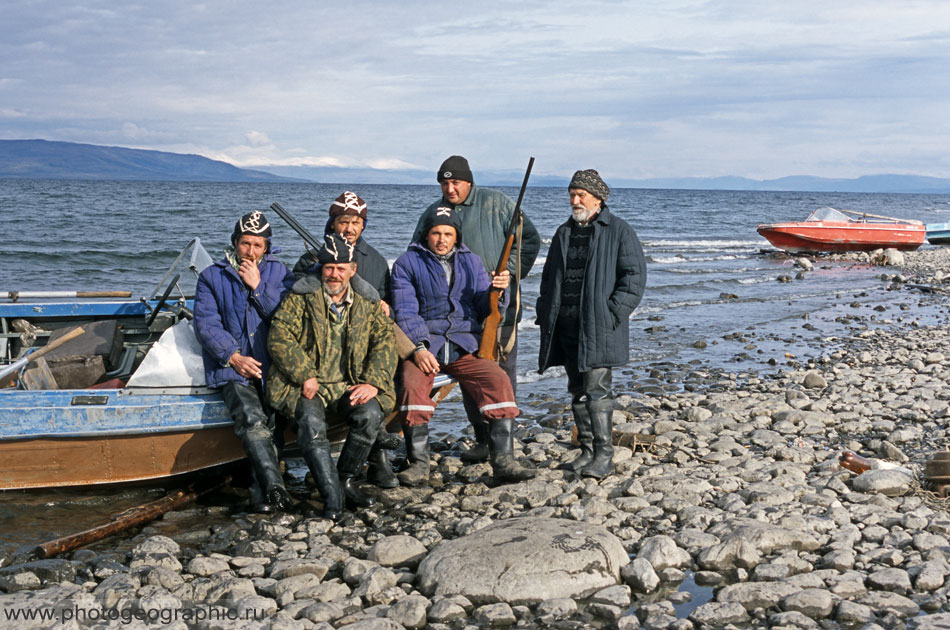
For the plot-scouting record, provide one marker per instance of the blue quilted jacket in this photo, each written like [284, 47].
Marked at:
[420, 305]
[230, 318]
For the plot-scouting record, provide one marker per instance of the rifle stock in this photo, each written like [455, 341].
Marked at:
[488, 344]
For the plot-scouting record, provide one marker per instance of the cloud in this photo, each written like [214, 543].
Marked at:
[258, 139]
[675, 88]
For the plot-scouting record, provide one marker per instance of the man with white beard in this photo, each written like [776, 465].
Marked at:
[592, 281]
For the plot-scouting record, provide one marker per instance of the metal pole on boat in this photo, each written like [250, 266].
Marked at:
[16, 365]
[20, 295]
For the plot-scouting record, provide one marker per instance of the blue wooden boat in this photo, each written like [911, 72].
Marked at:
[111, 433]
[150, 416]
[938, 233]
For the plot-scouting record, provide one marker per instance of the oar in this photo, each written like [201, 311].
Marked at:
[18, 295]
[16, 365]
[132, 517]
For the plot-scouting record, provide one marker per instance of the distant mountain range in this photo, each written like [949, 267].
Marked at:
[42, 159]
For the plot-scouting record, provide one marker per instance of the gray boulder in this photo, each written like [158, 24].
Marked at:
[525, 561]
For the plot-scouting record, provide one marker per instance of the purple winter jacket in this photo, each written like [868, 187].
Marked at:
[230, 318]
[428, 310]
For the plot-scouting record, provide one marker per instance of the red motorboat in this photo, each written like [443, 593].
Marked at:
[830, 230]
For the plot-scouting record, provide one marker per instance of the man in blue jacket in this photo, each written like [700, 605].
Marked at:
[485, 215]
[592, 280]
[440, 296]
[234, 301]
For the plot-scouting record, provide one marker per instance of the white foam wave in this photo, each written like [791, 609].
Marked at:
[707, 244]
[675, 260]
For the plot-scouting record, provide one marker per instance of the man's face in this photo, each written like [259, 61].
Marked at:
[250, 247]
[584, 205]
[455, 190]
[441, 239]
[349, 226]
[336, 276]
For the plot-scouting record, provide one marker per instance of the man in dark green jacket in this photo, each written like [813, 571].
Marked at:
[486, 215]
[333, 353]
[592, 281]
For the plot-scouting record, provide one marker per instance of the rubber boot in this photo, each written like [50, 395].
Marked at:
[480, 451]
[601, 417]
[379, 472]
[349, 465]
[585, 436]
[505, 467]
[274, 495]
[318, 458]
[417, 452]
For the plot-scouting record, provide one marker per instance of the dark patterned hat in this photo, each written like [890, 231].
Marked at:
[444, 215]
[336, 250]
[348, 203]
[590, 181]
[253, 223]
[455, 167]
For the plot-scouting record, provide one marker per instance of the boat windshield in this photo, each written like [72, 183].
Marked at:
[827, 214]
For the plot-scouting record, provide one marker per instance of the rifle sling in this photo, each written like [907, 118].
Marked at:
[506, 347]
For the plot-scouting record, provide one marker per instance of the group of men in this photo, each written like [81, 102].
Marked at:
[320, 341]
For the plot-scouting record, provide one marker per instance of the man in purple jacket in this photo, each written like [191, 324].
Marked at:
[234, 301]
[440, 297]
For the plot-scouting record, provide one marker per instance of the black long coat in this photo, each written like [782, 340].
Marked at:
[614, 280]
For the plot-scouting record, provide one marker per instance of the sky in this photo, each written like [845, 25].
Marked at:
[645, 89]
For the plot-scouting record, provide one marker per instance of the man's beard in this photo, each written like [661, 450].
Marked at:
[581, 214]
[337, 291]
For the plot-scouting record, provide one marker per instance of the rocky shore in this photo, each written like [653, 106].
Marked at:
[734, 514]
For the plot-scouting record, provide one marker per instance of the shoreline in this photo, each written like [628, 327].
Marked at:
[744, 483]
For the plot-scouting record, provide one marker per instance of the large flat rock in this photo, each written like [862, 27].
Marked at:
[524, 561]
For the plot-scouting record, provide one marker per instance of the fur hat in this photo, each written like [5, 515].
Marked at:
[590, 181]
[455, 167]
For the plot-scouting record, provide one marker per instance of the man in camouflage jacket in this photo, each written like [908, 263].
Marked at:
[333, 354]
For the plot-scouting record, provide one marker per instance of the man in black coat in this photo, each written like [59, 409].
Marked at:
[348, 220]
[592, 281]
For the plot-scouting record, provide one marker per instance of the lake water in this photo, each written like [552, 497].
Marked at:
[701, 248]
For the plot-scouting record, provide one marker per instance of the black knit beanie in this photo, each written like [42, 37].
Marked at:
[455, 167]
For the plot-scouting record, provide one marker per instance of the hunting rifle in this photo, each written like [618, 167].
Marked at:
[404, 347]
[488, 346]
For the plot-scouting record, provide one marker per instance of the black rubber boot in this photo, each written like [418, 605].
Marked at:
[379, 473]
[505, 467]
[480, 451]
[349, 465]
[585, 436]
[601, 417]
[417, 453]
[318, 458]
[274, 495]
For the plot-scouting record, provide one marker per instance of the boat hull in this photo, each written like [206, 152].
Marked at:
[938, 233]
[67, 462]
[84, 437]
[823, 236]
